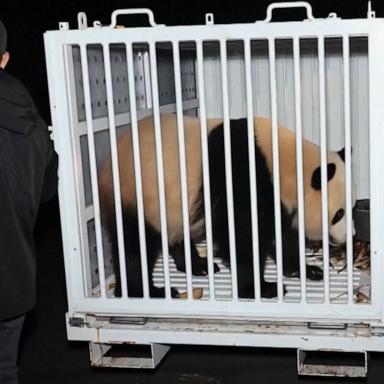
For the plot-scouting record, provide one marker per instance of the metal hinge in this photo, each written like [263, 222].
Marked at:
[76, 322]
[377, 331]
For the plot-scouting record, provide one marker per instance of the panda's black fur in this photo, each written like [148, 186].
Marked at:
[242, 210]
[242, 218]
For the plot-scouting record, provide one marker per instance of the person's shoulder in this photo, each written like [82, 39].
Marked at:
[12, 89]
[7, 80]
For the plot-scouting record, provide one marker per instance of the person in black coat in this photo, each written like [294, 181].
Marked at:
[28, 176]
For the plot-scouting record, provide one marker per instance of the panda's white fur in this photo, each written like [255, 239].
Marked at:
[262, 126]
[149, 173]
[263, 132]
[288, 183]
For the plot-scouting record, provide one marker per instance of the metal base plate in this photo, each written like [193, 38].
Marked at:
[332, 363]
[127, 355]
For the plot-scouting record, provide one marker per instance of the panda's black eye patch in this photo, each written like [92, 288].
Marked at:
[316, 175]
[338, 216]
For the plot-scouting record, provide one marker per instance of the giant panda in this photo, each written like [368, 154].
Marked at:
[241, 199]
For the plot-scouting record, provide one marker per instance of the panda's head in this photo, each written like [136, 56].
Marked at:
[336, 201]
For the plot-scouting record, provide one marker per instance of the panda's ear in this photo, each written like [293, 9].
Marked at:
[316, 176]
[342, 153]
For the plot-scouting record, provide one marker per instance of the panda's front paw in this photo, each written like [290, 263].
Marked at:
[269, 290]
[200, 267]
[160, 292]
[314, 273]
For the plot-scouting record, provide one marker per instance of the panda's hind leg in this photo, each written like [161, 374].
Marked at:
[199, 264]
[133, 258]
[132, 255]
[154, 250]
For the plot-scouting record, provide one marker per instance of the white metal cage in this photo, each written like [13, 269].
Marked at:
[322, 78]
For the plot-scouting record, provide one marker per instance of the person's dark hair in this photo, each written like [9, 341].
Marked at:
[3, 38]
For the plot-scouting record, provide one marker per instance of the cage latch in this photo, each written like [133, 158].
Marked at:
[209, 19]
[128, 320]
[76, 322]
[370, 14]
[333, 15]
[377, 330]
[328, 326]
[82, 21]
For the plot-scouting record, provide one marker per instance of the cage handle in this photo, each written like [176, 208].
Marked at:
[289, 4]
[133, 11]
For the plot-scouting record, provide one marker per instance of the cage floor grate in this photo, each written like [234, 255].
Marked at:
[338, 280]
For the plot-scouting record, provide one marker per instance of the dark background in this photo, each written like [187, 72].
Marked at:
[46, 355]
[27, 20]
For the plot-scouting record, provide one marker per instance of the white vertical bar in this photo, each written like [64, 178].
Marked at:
[376, 164]
[183, 169]
[93, 168]
[252, 169]
[115, 169]
[348, 166]
[324, 167]
[78, 171]
[147, 79]
[137, 165]
[60, 78]
[299, 169]
[228, 169]
[205, 163]
[160, 167]
[276, 170]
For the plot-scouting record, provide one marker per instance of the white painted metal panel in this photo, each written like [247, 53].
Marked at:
[233, 105]
[310, 93]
